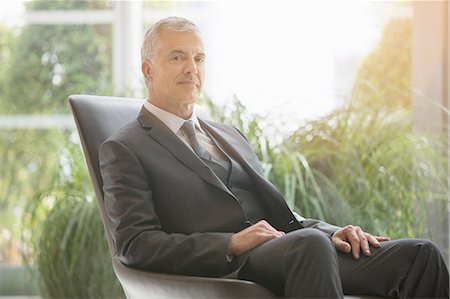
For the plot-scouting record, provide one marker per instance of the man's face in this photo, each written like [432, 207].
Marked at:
[175, 74]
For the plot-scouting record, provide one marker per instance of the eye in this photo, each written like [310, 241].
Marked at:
[177, 58]
[200, 59]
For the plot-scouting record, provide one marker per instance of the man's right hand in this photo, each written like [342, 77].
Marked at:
[251, 237]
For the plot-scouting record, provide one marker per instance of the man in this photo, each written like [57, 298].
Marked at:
[186, 195]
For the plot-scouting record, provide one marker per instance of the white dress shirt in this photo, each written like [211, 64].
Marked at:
[174, 123]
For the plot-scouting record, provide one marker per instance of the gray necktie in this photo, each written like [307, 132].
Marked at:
[222, 172]
[189, 129]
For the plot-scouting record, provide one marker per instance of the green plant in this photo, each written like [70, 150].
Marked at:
[73, 259]
[356, 165]
[40, 65]
[45, 63]
[25, 171]
[67, 239]
[368, 167]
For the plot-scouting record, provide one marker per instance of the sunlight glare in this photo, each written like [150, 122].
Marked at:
[299, 57]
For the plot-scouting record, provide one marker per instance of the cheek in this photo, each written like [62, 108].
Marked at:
[171, 76]
[165, 81]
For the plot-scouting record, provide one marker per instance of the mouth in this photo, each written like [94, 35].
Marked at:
[188, 80]
[188, 83]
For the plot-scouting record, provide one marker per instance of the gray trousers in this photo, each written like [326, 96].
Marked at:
[305, 264]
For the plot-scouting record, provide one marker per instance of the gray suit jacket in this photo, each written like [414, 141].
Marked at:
[168, 211]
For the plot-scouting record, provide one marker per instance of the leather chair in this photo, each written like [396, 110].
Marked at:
[97, 118]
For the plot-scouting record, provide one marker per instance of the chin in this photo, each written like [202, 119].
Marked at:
[191, 98]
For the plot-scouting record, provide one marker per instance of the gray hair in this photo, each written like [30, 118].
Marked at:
[152, 34]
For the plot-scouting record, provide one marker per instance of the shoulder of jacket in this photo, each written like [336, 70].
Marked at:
[127, 132]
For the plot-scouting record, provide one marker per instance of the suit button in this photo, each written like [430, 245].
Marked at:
[247, 223]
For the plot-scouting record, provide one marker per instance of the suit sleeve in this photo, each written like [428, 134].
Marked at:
[138, 238]
[320, 225]
[314, 223]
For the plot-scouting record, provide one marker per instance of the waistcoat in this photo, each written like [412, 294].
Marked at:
[241, 186]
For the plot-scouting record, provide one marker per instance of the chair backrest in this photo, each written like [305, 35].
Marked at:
[97, 118]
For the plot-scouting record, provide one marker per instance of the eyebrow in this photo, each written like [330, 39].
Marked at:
[177, 51]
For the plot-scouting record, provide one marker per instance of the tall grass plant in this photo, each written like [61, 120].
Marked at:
[64, 231]
[359, 165]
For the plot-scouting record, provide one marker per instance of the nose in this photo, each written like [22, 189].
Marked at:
[190, 67]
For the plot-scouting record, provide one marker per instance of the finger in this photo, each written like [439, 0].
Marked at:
[251, 237]
[382, 239]
[374, 241]
[261, 227]
[364, 243]
[355, 242]
[342, 245]
[269, 236]
[267, 233]
[278, 233]
[266, 225]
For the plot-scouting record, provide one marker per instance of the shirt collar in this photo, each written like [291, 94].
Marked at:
[172, 121]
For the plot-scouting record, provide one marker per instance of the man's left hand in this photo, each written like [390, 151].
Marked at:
[354, 239]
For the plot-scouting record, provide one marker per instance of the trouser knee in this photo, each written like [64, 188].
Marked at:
[290, 265]
[312, 246]
[311, 251]
[409, 248]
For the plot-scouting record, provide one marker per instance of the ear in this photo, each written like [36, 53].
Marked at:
[147, 71]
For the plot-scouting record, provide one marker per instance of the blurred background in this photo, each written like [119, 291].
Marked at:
[345, 103]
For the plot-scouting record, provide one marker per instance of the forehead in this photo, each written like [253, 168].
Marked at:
[169, 40]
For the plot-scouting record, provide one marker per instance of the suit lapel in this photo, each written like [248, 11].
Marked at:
[166, 138]
[227, 145]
